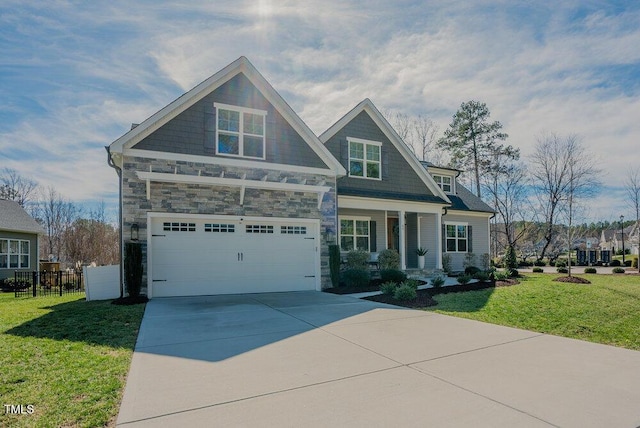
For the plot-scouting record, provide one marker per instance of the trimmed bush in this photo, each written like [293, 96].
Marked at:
[618, 270]
[481, 276]
[471, 270]
[501, 275]
[463, 279]
[590, 270]
[446, 263]
[538, 270]
[411, 283]
[627, 263]
[357, 259]
[615, 263]
[539, 263]
[511, 262]
[560, 264]
[356, 277]
[133, 269]
[405, 292]
[562, 270]
[334, 264]
[388, 288]
[634, 262]
[437, 281]
[392, 275]
[389, 259]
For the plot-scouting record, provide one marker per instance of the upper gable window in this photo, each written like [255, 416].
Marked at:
[444, 182]
[364, 158]
[240, 131]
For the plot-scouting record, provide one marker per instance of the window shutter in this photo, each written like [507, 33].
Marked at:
[344, 155]
[209, 127]
[469, 239]
[373, 242]
[444, 238]
[385, 163]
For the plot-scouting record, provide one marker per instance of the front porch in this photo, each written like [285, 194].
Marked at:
[405, 231]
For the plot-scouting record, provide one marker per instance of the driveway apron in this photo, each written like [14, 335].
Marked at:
[317, 359]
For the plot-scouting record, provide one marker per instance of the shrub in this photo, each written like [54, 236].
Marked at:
[437, 281]
[469, 260]
[590, 270]
[485, 261]
[539, 263]
[634, 262]
[627, 263]
[481, 276]
[560, 264]
[356, 277]
[133, 269]
[501, 275]
[392, 275]
[357, 259]
[510, 261]
[334, 264]
[562, 270]
[615, 262]
[471, 270]
[446, 263]
[464, 279]
[389, 259]
[538, 270]
[411, 283]
[388, 288]
[405, 292]
[618, 270]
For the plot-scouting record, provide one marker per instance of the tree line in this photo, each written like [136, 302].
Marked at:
[540, 201]
[73, 235]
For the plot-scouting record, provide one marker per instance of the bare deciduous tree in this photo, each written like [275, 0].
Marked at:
[632, 186]
[56, 214]
[419, 133]
[91, 239]
[563, 174]
[15, 187]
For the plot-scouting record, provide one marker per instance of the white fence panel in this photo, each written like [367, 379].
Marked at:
[102, 282]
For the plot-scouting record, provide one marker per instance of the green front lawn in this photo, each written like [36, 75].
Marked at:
[66, 357]
[606, 311]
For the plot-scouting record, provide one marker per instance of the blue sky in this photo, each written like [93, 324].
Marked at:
[74, 75]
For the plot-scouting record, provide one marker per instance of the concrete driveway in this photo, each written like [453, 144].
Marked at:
[315, 360]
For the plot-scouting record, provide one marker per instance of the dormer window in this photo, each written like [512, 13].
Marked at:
[240, 131]
[444, 182]
[364, 158]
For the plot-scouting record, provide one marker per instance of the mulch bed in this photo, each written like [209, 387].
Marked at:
[374, 285]
[572, 279]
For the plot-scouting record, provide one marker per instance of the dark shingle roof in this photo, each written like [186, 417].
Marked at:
[391, 195]
[464, 200]
[14, 218]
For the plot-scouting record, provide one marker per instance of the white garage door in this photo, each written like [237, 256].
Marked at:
[225, 255]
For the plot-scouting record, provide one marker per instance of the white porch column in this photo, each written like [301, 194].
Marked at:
[439, 241]
[402, 244]
[386, 232]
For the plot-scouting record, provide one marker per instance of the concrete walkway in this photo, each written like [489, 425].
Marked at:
[315, 359]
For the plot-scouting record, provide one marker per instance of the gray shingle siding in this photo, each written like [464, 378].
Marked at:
[398, 176]
[187, 133]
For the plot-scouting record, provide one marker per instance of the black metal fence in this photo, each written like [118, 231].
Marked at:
[43, 283]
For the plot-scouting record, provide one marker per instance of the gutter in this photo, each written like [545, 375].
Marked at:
[113, 165]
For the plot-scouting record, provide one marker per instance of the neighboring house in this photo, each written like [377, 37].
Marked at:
[19, 239]
[634, 238]
[230, 192]
[611, 239]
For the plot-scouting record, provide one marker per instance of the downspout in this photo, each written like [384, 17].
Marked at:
[119, 172]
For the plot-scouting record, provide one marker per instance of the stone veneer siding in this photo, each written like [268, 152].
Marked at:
[218, 200]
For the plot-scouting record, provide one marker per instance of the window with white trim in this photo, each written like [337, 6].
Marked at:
[240, 131]
[14, 254]
[364, 158]
[444, 182]
[354, 234]
[457, 238]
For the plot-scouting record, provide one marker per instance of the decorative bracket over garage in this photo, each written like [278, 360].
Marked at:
[241, 183]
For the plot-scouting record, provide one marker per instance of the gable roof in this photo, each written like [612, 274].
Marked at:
[464, 200]
[182, 103]
[14, 218]
[368, 107]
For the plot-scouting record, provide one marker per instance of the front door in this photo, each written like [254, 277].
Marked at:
[393, 235]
